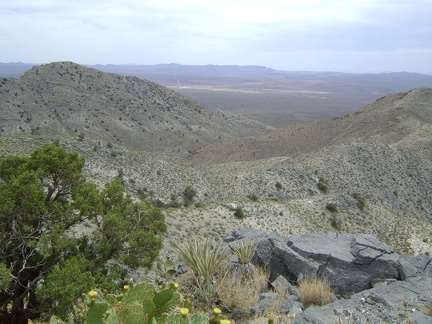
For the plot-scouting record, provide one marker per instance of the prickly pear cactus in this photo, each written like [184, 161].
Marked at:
[96, 312]
[180, 319]
[143, 304]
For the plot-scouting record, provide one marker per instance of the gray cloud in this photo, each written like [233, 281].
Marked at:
[323, 35]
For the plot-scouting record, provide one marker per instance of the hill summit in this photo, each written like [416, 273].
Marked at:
[64, 98]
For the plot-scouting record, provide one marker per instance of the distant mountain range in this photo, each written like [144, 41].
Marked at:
[269, 96]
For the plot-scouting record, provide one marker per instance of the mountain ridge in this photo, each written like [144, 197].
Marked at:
[270, 96]
[64, 98]
[401, 120]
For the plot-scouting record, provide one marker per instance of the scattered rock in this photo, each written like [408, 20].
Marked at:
[378, 285]
[413, 266]
[398, 302]
[271, 302]
[284, 287]
[420, 318]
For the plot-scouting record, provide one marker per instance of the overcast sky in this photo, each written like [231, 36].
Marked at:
[313, 35]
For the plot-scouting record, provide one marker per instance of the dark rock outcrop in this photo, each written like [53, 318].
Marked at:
[374, 283]
[350, 262]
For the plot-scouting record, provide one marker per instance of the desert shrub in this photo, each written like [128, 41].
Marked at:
[278, 185]
[174, 204]
[332, 207]
[253, 197]
[428, 310]
[158, 203]
[244, 282]
[335, 222]
[235, 286]
[238, 213]
[322, 185]
[361, 203]
[80, 137]
[315, 291]
[188, 195]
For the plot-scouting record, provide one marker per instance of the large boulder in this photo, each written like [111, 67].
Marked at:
[414, 266]
[350, 262]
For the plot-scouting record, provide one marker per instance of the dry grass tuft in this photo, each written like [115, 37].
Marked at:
[428, 310]
[281, 291]
[315, 291]
[240, 289]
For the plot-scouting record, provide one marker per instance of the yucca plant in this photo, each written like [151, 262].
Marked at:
[245, 251]
[205, 259]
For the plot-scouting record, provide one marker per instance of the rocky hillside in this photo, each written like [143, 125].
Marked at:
[358, 188]
[402, 120]
[367, 172]
[68, 99]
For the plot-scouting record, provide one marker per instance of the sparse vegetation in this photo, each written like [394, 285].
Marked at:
[322, 185]
[253, 197]
[361, 203]
[332, 207]
[428, 310]
[335, 222]
[238, 213]
[315, 291]
[189, 194]
[245, 251]
[215, 279]
[240, 291]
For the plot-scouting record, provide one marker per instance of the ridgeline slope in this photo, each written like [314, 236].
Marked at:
[64, 98]
[401, 120]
